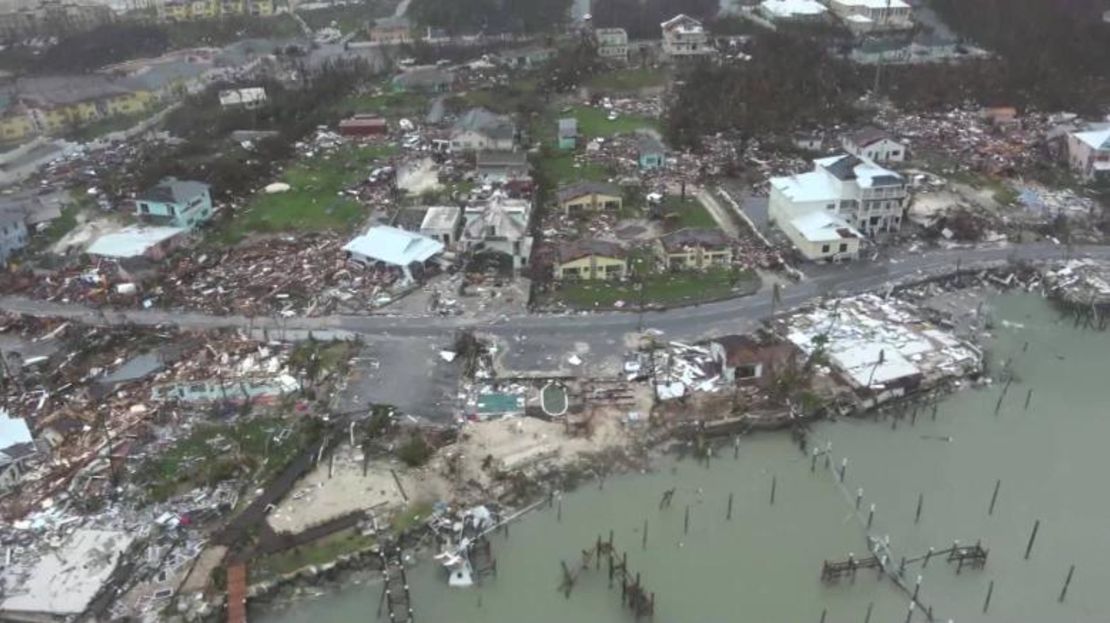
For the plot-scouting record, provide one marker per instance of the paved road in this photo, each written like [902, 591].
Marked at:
[684, 323]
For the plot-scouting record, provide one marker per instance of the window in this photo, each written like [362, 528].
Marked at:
[843, 247]
[895, 154]
[144, 208]
[824, 248]
[831, 206]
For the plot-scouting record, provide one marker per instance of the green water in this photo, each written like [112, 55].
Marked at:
[763, 566]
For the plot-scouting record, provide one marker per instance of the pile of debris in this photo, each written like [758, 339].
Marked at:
[1083, 283]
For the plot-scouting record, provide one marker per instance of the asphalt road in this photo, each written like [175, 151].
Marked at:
[534, 341]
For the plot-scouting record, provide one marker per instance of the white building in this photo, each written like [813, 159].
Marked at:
[16, 448]
[442, 223]
[793, 10]
[820, 237]
[867, 197]
[685, 37]
[612, 44]
[862, 16]
[500, 226]
[393, 247]
[1089, 152]
[479, 129]
[251, 98]
[874, 144]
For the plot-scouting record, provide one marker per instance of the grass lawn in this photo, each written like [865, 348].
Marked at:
[561, 167]
[659, 289]
[318, 552]
[313, 203]
[391, 105]
[687, 213]
[594, 122]
[214, 452]
[631, 79]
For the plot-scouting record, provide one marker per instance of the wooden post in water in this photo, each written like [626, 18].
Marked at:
[928, 555]
[934, 411]
[859, 497]
[843, 468]
[813, 462]
[920, 501]
[728, 513]
[1032, 538]
[1067, 582]
[987, 602]
[774, 483]
[1028, 397]
[916, 588]
[867, 617]
[994, 496]
[870, 516]
[644, 544]
[909, 613]
[824, 613]
[686, 522]
[559, 511]
[736, 447]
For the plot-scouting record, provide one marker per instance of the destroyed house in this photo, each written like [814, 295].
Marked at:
[363, 125]
[13, 234]
[390, 30]
[744, 359]
[500, 226]
[590, 260]
[685, 37]
[568, 133]
[1089, 153]
[16, 449]
[695, 248]
[502, 166]
[586, 196]
[425, 79]
[612, 44]
[249, 99]
[176, 203]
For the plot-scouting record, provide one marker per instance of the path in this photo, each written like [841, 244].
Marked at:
[719, 213]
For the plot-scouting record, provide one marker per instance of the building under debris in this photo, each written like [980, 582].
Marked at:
[881, 348]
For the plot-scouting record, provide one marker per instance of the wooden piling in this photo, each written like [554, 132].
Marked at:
[1067, 582]
[686, 522]
[994, 496]
[559, 511]
[1032, 538]
[859, 497]
[867, 617]
[870, 516]
[928, 555]
[644, 539]
[824, 613]
[909, 612]
[813, 462]
[916, 588]
[843, 468]
[987, 601]
[920, 501]
[728, 513]
[774, 483]
[1028, 397]
[736, 447]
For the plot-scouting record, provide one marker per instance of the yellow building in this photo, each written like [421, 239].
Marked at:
[590, 260]
[184, 10]
[15, 127]
[695, 249]
[59, 103]
[589, 196]
[262, 8]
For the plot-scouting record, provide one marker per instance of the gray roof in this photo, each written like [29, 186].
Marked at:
[695, 237]
[568, 127]
[576, 249]
[648, 143]
[424, 77]
[581, 189]
[64, 90]
[173, 190]
[482, 120]
[392, 22]
[868, 135]
[502, 159]
[845, 168]
[158, 76]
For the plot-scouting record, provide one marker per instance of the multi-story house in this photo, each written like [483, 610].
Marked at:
[612, 44]
[685, 37]
[855, 192]
[176, 203]
[863, 16]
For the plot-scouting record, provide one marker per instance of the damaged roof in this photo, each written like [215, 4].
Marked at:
[581, 189]
[704, 238]
[577, 249]
[173, 190]
[869, 135]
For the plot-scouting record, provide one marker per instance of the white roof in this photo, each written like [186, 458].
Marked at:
[823, 227]
[865, 171]
[65, 581]
[12, 430]
[441, 217]
[793, 8]
[1097, 139]
[231, 97]
[394, 246]
[131, 241]
[859, 19]
[872, 364]
[806, 187]
[875, 4]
